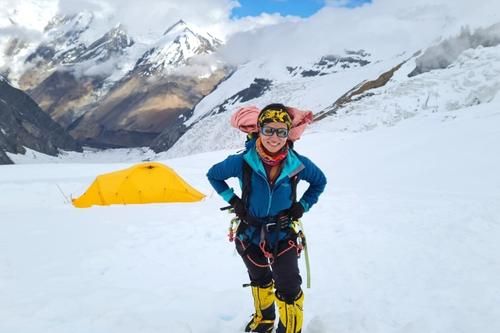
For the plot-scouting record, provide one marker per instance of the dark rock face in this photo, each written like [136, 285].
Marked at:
[137, 110]
[119, 139]
[442, 55]
[42, 52]
[64, 96]
[67, 95]
[330, 64]
[75, 84]
[176, 128]
[4, 159]
[360, 91]
[256, 89]
[171, 134]
[24, 124]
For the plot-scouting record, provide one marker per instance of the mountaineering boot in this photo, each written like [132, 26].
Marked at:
[263, 319]
[291, 314]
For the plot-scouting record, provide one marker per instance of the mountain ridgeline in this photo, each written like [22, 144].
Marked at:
[24, 125]
[117, 91]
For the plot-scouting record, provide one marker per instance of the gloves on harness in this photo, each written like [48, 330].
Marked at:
[296, 211]
[238, 206]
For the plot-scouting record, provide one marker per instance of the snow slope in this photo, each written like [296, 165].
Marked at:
[473, 78]
[405, 239]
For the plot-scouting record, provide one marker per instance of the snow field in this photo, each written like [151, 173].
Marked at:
[404, 240]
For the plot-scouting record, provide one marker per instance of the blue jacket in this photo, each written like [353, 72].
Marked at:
[265, 200]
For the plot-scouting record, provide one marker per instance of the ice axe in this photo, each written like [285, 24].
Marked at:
[298, 227]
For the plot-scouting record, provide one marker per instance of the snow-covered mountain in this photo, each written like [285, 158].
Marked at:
[158, 93]
[21, 29]
[89, 86]
[63, 38]
[65, 47]
[112, 44]
[72, 73]
[178, 44]
[126, 93]
[360, 93]
[330, 64]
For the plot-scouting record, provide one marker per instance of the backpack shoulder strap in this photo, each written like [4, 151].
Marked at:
[293, 183]
[294, 180]
[247, 176]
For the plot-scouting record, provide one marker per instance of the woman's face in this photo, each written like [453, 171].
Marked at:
[273, 143]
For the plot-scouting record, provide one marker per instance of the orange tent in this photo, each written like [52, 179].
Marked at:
[143, 183]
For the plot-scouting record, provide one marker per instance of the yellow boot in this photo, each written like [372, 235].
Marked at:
[291, 314]
[263, 318]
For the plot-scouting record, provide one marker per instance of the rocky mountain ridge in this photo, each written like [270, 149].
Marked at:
[154, 104]
[24, 125]
[378, 93]
[115, 92]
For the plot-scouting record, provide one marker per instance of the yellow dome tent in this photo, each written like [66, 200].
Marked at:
[142, 183]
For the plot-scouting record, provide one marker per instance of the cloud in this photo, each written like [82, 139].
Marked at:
[144, 20]
[228, 28]
[21, 32]
[384, 28]
[149, 19]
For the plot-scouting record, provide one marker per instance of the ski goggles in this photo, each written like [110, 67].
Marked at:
[269, 131]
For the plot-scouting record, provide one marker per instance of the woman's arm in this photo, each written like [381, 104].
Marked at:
[218, 173]
[317, 182]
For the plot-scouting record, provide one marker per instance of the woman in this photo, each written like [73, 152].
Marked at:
[268, 172]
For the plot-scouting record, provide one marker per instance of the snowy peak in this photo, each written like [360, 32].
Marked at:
[68, 28]
[114, 42]
[179, 43]
[64, 45]
[177, 28]
[62, 39]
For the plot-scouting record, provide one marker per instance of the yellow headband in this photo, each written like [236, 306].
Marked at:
[271, 116]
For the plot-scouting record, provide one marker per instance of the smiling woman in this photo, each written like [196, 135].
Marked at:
[267, 210]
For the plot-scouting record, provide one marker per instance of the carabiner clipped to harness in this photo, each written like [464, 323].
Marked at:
[233, 227]
[296, 226]
[233, 224]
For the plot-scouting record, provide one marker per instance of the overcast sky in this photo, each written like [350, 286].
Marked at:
[383, 28]
[151, 17]
[380, 24]
[140, 17]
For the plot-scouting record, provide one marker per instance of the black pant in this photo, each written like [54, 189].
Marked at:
[284, 269]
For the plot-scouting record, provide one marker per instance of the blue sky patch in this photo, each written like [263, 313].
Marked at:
[302, 8]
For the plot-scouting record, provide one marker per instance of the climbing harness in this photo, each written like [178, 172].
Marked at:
[296, 239]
